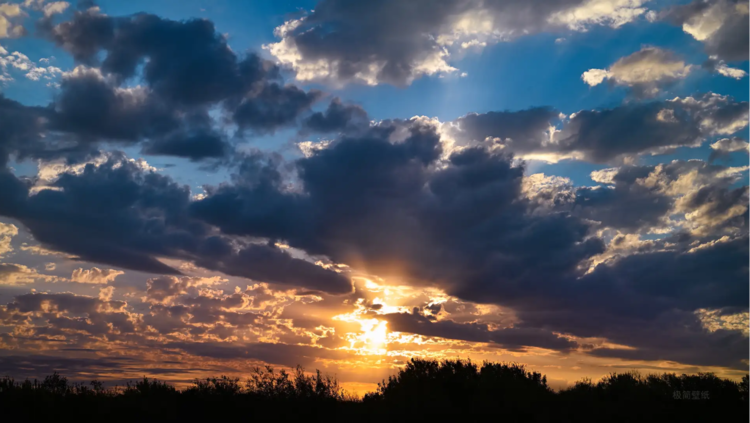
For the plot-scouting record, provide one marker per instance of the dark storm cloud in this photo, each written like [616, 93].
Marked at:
[94, 109]
[647, 301]
[383, 198]
[83, 36]
[729, 41]
[710, 277]
[89, 109]
[640, 197]
[187, 68]
[271, 264]
[13, 193]
[395, 42]
[101, 215]
[522, 131]
[338, 117]
[119, 215]
[273, 107]
[384, 205]
[510, 338]
[20, 129]
[607, 134]
[381, 203]
[625, 206]
[603, 135]
[197, 140]
[186, 62]
[195, 146]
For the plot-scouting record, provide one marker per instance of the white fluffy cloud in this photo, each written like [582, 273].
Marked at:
[730, 145]
[10, 16]
[725, 70]
[398, 42]
[614, 13]
[18, 61]
[645, 71]
[50, 9]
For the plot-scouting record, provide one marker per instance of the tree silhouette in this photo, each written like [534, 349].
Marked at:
[423, 390]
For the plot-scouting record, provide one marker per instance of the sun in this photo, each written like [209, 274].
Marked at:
[374, 335]
[372, 339]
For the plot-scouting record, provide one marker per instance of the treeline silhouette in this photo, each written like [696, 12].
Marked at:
[424, 390]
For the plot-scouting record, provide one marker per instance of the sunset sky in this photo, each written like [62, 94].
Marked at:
[193, 188]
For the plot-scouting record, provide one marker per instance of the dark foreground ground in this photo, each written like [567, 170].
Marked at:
[424, 390]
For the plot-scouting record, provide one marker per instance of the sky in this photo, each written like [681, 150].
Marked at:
[195, 188]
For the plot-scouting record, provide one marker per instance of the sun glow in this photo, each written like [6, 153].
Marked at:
[372, 338]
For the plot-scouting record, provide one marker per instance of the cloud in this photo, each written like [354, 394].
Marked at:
[646, 71]
[165, 289]
[18, 61]
[498, 257]
[120, 214]
[95, 275]
[720, 25]
[713, 64]
[676, 279]
[639, 198]
[725, 146]
[523, 131]
[614, 13]
[18, 274]
[106, 293]
[595, 76]
[65, 312]
[188, 62]
[194, 145]
[394, 43]
[603, 135]
[273, 107]
[338, 117]
[7, 232]
[712, 210]
[378, 204]
[186, 311]
[93, 108]
[625, 207]
[22, 129]
[10, 21]
[508, 338]
[277, 354]
[55, 7]
[189, 72]
[197, 140]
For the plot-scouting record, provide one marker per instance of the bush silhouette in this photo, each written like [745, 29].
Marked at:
[455, 390]
[148, 388]
[266, 383]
